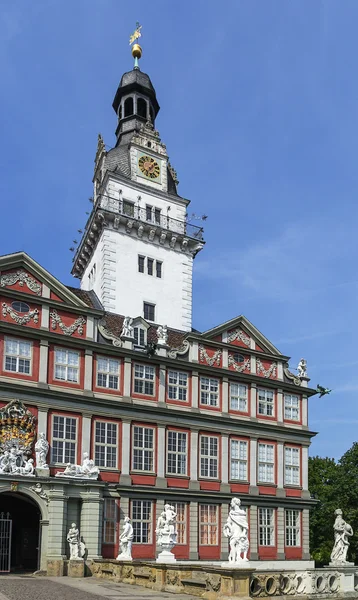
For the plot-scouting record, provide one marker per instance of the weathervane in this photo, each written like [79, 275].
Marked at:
[136, 49]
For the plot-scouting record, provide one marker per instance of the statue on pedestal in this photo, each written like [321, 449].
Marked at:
[236, 529]
[162, 335]
[125, 540]
[41, 449]
[342, 531]
[73, 538]
[127, 328]
[87, 470]
[302, 368]
[167, 533]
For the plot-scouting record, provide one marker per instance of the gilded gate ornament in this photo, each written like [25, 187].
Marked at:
[17, 428]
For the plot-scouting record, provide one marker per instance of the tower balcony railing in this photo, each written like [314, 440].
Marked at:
[153, 217]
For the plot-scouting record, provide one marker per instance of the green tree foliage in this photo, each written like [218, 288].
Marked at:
[322, 475]
[347, 493]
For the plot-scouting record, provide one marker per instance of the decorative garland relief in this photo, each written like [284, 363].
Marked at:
[77, 325]
[210, 360]
[20, 320]
[245, 366]
[22, 278]
[238, 334]
[260, 369]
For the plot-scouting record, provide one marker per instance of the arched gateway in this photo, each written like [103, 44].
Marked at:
[20, 535]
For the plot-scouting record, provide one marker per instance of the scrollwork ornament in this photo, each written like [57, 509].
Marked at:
[183, 349]
[245, 366]
[77, 325]
[260, 369]
[20, 320]
[210, 360]
[238, 334]
[108, 335]
[21, 277]
[296, 380]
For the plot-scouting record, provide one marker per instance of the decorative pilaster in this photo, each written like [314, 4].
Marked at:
[304, 410]
[88, 369]
[194, 531]
[92, 521]
[194, 439]
[43, 361]
[125, 478]
[57, 510]
[280, 465]
[253, 533]
[162, 374]
[224, 540]
[253, 401]
[279, 406]
[225, 358]
[90, 328]
[305, 534]
[161, 481]
[253, 463]
[225, 460]
[195, 389]
[86, 433]
[280, 533]
[42, 416]
[225, 395]
[194, 352]
[45, 317]
[304, 468]
[127, 376]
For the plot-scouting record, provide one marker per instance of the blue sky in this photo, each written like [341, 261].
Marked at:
[259, 111]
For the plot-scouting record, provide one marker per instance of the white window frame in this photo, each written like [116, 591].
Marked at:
[178, 384]
[142, 519]
[145, 379]
[266, 525]
[108, 446]
[18, 356]
[66, 365]
[212, 535]
[143, 450]
[239, 460]
[177, 453]
[64, 440]
[209, 391]
[292, 466]
[209, 459]
[291, 408]
[267, 402]
[110, 519]
[107, 373]
[239, 397]
[292, 528]
[137, 330]
[265, 463]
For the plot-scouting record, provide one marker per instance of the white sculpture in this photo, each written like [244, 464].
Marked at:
[302, 368]
[127, 329]
[162, 335]
[28, 468]
[87, 470]
[73, 538]
[236, 529]
[166, 533]
[125, 540]
[41, 449]
[14, 462]
[342, 531]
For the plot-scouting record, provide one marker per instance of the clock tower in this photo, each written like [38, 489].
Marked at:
[137, 250]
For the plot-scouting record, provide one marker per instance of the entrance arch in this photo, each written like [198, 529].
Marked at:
[25, 538]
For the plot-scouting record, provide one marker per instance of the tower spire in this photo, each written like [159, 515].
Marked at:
[136, 48]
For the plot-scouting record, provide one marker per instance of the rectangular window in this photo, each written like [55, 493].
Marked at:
[149, 311]
[150, 263]
[265, 402]
[177, 451]
[67, 364]
[109, 521]
[158, 266]
[238, 459]
[105, 446]
[140, 336]
[142, 521]
[266, 463]
[292, 528]
[108, 373]
[143, 448]
[144, 378]
[292, 407]
[141, 260]
[208, 524]
[209, 391]
[181, 510]
[266, 527]
[64, 439]
[128, 208]
[292, 466]
[178, 386]
[157, 215]
[148, 212]
[238, 397]
[17, 356]
[209, 456]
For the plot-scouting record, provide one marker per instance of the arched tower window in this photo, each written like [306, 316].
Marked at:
[128, 107]
[152, 114]
[141, 108]
[120, 112]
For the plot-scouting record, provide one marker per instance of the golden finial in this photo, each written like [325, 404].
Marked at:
[136, 49]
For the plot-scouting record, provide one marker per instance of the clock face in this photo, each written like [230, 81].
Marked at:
[149, 167]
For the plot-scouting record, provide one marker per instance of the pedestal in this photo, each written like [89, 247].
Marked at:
[76, 567]
[243, 564]
[162, 349]
[42, 472]
[122, 557]
[165, 556]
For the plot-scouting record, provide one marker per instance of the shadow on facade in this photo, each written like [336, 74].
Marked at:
[25, 516]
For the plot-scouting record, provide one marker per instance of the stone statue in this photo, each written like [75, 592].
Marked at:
[5, 462]
[87, 470]
[302, 368]
[41, 449]
[162, 335]
[342, 531]
[127, 329]
[236, 529]
[125, 540]
[166, 532]
[28, 468]
[73, 538]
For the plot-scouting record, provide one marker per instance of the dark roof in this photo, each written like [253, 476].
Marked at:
[114, 323]
[117, 159]
[136, 76]
[90, 298]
